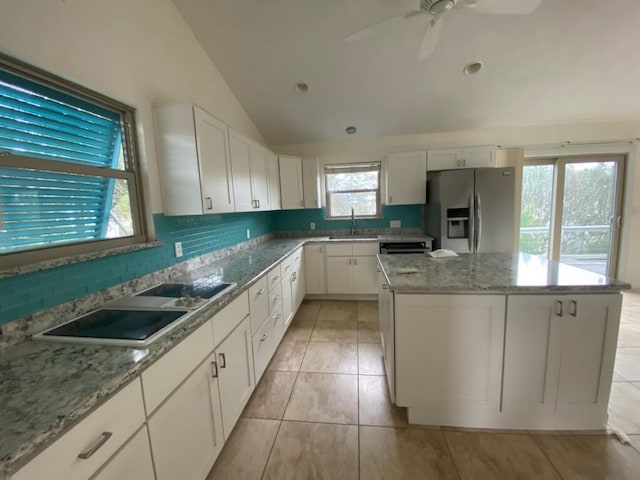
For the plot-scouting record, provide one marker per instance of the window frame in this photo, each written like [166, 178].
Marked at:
[132, 171]
[353, 168]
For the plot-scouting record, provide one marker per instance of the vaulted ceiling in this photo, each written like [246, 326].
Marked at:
[570, 61]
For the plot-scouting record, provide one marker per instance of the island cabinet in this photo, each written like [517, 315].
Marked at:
[449, 356]
[559, 355]
[352, 268]
[194, 161]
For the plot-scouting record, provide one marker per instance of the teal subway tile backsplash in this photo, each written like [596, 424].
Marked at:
[199, 235]
[285, 220]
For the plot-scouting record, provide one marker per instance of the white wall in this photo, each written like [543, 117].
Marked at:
[137, 51]
[374, 149]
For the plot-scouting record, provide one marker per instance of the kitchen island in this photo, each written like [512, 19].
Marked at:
[498, 340]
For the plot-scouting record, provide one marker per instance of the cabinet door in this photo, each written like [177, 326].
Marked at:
[133, 461]
[215, 163]
[589, 335]
[449, 351]
[259, 176]
[241, 169]
[339, 274]
[531, 353]
[298, 284]
[235, 378]
[311, 182]
[386, 322]
[478, 157]
[287, 292]
[406, 178]
[364, 270]
[444, 159]
[274, 181]
[314, 269]
[291, 183]
[186, 431]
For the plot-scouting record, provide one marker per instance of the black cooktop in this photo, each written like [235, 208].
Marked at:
[200, 289]
[118, 324]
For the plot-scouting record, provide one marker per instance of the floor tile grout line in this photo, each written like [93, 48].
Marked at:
[544, 452]
[453, 458]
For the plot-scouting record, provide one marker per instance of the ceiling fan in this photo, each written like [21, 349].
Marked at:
[436, 10]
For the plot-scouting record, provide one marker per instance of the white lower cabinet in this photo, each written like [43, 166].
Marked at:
[364, 273]
[449, 356]
[298, 287]
[352, 268]
[236, 381]
[287, 291]
[133, 461]
[314, 265]
[186, 431]
[559, 353]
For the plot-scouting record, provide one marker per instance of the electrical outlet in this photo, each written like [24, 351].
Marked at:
[395, 224]
[178, 248]
[248, 234]
[312, 226]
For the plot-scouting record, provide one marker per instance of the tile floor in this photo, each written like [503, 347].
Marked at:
[321, 411]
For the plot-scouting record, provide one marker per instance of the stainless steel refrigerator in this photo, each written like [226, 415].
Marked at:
[471, 210]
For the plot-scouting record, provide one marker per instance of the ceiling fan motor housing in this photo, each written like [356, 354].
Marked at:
[437, 7]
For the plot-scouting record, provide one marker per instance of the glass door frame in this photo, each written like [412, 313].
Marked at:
[557, 202]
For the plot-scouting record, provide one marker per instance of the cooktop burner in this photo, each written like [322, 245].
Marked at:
[200, 289]
[114, 326]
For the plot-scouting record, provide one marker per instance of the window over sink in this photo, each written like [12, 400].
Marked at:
[352, 186]
[69, 178]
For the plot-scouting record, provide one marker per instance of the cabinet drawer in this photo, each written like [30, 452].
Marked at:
[161, 378]
[274, 277]
[259, 303]
[229, 317]
[296, 258]
[287, 268]
[266, 341]
[275, 298]
[133, 461]
[120, 417]
[342, 249]
[367, 249]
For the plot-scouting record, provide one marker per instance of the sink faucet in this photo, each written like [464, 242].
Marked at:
[353, 222]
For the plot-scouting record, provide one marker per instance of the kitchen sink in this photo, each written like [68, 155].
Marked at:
[353, 237]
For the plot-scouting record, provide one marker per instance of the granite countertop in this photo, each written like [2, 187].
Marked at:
[47, 387]
[499, 273]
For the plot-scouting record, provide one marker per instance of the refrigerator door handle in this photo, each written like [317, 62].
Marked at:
[472, 224]
[478, 221]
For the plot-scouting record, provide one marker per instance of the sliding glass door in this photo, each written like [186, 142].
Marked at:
[571, 210]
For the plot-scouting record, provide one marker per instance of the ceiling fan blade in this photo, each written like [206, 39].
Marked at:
[431, 37]
[506, 7]
[365, 32]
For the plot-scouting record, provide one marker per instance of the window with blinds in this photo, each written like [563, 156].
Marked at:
[352, 187]
[67, 168]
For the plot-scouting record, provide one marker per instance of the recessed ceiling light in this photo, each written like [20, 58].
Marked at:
[350, 130]
[473, 68]
[301, 87]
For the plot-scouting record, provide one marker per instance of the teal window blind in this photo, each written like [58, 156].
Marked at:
[59, 185]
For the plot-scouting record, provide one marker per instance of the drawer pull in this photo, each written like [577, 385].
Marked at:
[275, 278]
[214, 370]
[573, 308]
[287, 268]
[209, 203]
[278, 316]
[276, 298]
[260, 292]
[263, 337]
[559, 312]
[91, 450]
[384, 286]
[223, 361]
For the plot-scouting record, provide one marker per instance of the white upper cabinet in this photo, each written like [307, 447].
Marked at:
[291, 189]
[194, 160]
[273, 169]
[452, 158]
[406, 178]
[311, 182]
[250, 173]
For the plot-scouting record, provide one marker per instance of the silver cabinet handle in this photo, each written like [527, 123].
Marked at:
[275, 279]
[209, 203]
[355, 261]
[278, 316]
[302, 203]
[390, 199]
[257, 203]
[223, 360]
[573, 308]
[277, 297]
[260, 292]
[559, 308]
[294, 276]
[91, 450]
[385, 286]
[264, 337]
[214, 370]
[478, 222]
[287, 268]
